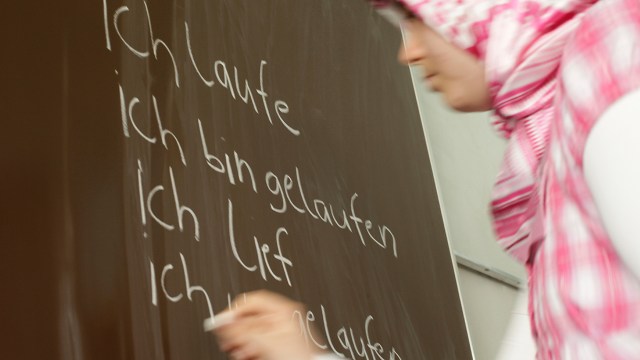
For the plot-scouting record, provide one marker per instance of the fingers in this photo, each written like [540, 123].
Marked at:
[259, 326]
[246, 353]
[219, 320]
[247, 305]
[244, 331]
[258, 337]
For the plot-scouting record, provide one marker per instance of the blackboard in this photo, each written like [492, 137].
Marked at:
[162, 157]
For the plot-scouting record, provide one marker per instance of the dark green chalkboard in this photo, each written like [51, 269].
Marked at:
[162, 157]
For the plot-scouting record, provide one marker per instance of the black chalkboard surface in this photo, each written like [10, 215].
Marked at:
[163, 157]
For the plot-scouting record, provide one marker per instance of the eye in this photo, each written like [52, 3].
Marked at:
[408, 14]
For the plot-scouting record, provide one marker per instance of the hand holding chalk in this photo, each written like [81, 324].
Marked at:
[218, 321]
[260, 326]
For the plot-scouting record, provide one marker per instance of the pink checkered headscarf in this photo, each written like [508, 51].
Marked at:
[520, 42]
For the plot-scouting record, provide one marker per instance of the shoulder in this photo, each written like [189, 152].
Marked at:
[601, 62]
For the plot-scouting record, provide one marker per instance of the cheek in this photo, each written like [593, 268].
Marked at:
[457, 99]
[466, 89]
[466, 96]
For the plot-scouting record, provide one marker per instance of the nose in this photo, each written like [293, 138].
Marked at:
[411, 50]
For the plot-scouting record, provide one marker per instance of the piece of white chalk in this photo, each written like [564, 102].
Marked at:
[223, 319]
[209, 325]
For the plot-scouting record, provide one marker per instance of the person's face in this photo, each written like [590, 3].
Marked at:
[447, 69]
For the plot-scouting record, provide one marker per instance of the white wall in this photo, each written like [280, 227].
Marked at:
[497, 318]
[465, 155]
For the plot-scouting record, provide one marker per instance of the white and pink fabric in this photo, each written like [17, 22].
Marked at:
[553, 67]
[585, 303]
[520, 42]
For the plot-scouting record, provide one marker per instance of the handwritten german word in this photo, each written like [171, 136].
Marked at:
[349, 344]
[289, 192]
[218, 68]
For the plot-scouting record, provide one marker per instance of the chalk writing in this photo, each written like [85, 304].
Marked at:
[220, 69]
[262, 252]
[176, 294]
[241, 167]
[146, 204]
[349, 345]
[290, 192]
[126, 111]
[155, 43]
[167, 203]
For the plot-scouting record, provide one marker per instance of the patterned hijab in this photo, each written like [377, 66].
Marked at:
[520, 42]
